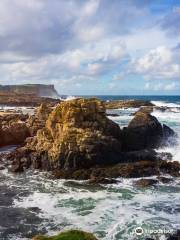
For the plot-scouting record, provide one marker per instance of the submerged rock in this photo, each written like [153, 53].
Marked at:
[69, 235]
[145, 182]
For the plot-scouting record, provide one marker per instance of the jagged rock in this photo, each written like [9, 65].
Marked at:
[38, 120]
[77, 134]
[127, 104]
[126, 170]
[13, 129]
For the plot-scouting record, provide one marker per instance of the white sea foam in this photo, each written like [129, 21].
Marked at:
[70, 98]
[111, 213]
[165, 104]
[172, 119]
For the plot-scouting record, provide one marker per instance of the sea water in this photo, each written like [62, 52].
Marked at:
[33, 203]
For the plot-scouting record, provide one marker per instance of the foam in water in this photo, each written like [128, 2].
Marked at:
[165, 104]
[111, 212]
[172, 119]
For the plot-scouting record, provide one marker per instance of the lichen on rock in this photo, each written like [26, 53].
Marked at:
[77, 134]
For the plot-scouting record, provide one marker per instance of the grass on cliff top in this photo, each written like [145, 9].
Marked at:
[69, 235]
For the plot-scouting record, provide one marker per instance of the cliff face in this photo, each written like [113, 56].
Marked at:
[39, 90]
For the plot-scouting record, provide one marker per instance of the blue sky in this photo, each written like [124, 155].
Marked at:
[92, 46]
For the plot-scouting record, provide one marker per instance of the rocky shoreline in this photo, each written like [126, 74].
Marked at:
[77, 140]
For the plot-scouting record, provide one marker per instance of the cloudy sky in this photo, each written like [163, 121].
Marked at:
[92, 46]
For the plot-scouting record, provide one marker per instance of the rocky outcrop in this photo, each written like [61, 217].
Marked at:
[77, 140]
[28, 100]
[127, 104]
[69, 235]
[13, 129]
[38, 120]
[126, 170]
[145, 131]
[77, 134]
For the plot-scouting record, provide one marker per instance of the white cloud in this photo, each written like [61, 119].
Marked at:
[161, 86]
[90, 8]
[90, 60]
[89, 33]
[159, 63]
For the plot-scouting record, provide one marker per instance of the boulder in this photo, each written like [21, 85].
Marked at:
[145, 131]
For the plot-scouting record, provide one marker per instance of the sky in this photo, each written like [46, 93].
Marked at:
[92, 47]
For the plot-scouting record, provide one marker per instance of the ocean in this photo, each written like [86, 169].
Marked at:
[32, 203]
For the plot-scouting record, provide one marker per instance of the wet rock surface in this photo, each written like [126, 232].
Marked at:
[28, 100]
[145, 131]
[13, 129]
[127, 104]
[76, 137]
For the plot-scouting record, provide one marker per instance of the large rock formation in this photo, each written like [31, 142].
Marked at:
[145, 131]
[13, 129]
[77, 134]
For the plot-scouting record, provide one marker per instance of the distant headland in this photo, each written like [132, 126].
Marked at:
[38, 90]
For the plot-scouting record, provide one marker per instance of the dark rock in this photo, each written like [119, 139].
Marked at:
[168, 132]
[164, 179]
[112, 115]
[175, 236]
[101, 180]
[145, 182]
[144, 131]
[127, 104]
[28, 100]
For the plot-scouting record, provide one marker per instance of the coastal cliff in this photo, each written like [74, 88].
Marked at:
[38, 90]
